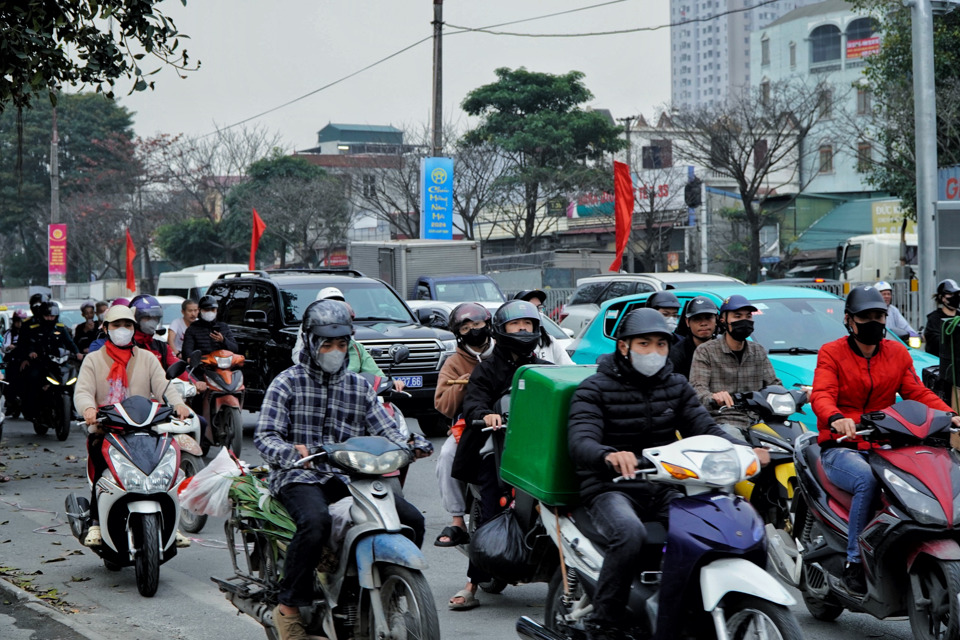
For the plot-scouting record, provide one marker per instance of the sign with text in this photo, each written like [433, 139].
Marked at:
[863, 47]
[56, 254]
[436, 199]
[887, 217]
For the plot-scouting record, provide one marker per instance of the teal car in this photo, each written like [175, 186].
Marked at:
[791, 322]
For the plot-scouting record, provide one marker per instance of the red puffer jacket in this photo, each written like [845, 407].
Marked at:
[847, 384]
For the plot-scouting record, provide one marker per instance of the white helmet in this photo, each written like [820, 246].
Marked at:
[331, 293]
[883, 285]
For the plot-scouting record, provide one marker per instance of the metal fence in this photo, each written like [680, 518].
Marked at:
[96, 290]
[556, 298]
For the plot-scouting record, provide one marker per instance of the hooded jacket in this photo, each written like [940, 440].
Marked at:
[448, 398]
[197, 338]
[618, 409]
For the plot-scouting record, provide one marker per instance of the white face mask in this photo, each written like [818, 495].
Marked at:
[647, 364]
[120, 337]
[209, 316]
[331, 361]
[671, 323]
[149, 327]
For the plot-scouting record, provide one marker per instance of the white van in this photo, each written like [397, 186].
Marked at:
[193, 282]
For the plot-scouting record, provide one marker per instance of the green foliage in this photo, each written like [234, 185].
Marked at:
[48, 45]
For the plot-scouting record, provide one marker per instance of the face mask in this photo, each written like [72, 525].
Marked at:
[741, 329]
[647, 364]
[330, 361]
[951, 301]
[99, 317]
[476, 337]
[149, 327]
[671, 323]
[120, 337]
[521, 343]
[870, 333]
[209, 316]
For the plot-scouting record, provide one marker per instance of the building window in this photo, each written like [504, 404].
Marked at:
[369, 186]
[863, 101]
[658, 155]
[765, 51]
[793, 54]
[825, 44]
[826, 158]
[864, 156]
[760, 154]
[826, 104]
[765, 93]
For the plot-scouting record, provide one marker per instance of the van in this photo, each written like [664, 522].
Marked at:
[193, 282]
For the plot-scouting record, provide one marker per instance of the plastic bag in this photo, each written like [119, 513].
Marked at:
[497, 547]
[340, 514]
[207, 492]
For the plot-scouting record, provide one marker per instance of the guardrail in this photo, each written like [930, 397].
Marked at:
[556, 298]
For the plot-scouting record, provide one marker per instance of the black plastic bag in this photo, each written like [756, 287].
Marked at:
[497, 547]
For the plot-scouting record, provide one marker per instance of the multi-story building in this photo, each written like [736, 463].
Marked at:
[710, 47]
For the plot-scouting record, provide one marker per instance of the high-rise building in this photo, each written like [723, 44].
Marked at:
[710, 46]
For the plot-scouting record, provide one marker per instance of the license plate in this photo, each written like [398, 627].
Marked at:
[410, 381]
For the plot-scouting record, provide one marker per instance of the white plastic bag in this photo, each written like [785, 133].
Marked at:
[207, 493]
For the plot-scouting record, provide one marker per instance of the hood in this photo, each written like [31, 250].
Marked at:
[397, 331]
[316, 372]
[794, 370]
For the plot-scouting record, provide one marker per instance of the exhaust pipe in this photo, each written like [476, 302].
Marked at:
[527, 628]
[262, 613]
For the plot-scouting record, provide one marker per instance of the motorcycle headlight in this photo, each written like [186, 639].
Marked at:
[129, 475]
[719, 468]
[71, 381]
[164, 474]
[134, 480]
[53, 381]
[914, 342]
[924, 508]
[224, 363]
[782, 404]
[369, 464]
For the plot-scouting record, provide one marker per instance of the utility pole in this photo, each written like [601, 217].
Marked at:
[437, 147]
[54, 174]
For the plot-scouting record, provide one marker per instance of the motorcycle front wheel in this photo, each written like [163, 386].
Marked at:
[189, 521]
[61, 418]
[939, 583]
[750, 617]
[231, 428]
[407, 604]
[147, 560]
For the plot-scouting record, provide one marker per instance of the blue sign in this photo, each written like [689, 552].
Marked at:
[436, 199]
[948, 183]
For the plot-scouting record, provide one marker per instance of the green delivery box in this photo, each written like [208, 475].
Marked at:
[535, 457]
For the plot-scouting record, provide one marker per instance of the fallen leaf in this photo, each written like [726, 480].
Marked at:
[58, 559]
[79, 578]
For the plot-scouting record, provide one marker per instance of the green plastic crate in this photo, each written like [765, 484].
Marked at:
[535, 457]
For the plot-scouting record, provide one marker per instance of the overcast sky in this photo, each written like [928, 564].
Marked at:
[258, 55]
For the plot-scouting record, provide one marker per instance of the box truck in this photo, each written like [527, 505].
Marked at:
[401, 263]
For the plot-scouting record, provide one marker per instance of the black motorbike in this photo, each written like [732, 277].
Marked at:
[54, 410]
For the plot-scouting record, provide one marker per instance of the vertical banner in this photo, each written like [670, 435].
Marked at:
[131, 254]
[623, 209]
[56, 254]
[436, 199]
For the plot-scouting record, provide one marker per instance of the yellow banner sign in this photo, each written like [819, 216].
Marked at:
[887, 217]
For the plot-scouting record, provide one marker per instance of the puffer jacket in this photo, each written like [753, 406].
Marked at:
[618, 409]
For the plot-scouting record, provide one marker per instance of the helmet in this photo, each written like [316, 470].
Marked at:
[118, 312]
[700, 305]
[467, 312]
[146, 306]
[331, 293]
[947, 287]
[864, 298]
[120, 302]
[47, 308]
[662, 300]
[208, 302]
[327, 319]
[526, 294]
[736, 303]
[21, 314]
[522, 342]
[642, 321]
[36, 300]
[883, 285]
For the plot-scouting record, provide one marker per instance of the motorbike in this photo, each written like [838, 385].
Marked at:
[703, 576]
[187, 434]
[137, 492]
[55, 400]
[221, 402]
[373, 587]
[910, 548]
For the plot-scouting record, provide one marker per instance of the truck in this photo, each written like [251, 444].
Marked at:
[192, 282]
[878, 256]
[401, 263]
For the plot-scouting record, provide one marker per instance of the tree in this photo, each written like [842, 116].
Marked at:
[549, 145]
[48, 45]
[756, 139]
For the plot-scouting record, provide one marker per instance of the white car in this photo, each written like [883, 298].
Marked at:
[592, 291]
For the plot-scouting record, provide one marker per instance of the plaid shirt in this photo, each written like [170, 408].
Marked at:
[716, 368]
[304, 405]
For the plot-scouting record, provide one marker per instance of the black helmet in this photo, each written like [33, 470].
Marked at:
[700, 305]
[47, 308]
[526, 294]
[467, 312]
[522, 342]
[946, 287]
[36, 300]
[327, 319]
[663, 300]
[864, 298]
[208, 302]
[641, 322]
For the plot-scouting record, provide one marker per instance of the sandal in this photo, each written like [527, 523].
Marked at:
[5, 478]
[454, 535]
[469, 601]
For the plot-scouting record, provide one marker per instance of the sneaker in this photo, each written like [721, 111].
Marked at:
[182, 541]
[93, 537]
[289, 627]
[854, 579]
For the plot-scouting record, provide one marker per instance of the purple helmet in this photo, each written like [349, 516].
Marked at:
[120, 302]
[146, 306]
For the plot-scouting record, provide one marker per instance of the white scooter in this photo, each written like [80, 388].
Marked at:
[187, 435]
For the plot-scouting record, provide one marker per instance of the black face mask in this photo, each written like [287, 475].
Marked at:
[952, 301]
[870, 333]
[522, 343]
[476, 337]
[740, 330]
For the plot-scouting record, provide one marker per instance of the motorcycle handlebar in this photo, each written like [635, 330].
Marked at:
[862, 432]
[302, 462]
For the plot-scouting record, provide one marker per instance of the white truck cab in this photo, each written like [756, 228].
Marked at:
[873, 257]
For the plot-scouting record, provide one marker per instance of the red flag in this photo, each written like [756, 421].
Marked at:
[258, 228]
[623, 209]
[131, 254]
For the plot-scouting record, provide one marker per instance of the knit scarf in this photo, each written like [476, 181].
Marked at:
[117, 378]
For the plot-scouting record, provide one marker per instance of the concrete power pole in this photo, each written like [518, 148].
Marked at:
[54, 174]
[437, 144]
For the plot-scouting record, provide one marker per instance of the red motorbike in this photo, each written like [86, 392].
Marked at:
[221, 402]
[911, 546]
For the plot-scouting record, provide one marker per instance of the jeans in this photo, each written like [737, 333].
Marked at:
[308, 505]
[451, 489]
[850, 471]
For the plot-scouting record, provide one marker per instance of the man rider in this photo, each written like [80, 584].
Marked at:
[41, 340]
[206, 334]
[700, 317]
[634, 401]
[858, 374]
[731, 363]
[315, 402]
[896, 323]
[668, 306]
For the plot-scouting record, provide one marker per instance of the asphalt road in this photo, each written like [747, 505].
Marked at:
[38, 553]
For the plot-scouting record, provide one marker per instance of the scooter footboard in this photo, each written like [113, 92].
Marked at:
[737, 575]
[393, 548]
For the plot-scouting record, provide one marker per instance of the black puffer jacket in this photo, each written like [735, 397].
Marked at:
[197, 338]
[617, 409]
[681, 356]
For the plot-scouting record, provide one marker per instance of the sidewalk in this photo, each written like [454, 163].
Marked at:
[34, 620]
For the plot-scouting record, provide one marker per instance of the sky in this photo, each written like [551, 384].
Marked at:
[256, 56]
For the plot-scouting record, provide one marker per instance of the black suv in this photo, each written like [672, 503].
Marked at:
[264, 311]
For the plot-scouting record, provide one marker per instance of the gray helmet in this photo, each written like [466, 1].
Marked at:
[641, 322]
[700, 305]
[663, 300]
[327, 319]
[862, 299]
[523, 342]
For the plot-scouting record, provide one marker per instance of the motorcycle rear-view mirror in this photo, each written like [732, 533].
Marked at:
[194, 359]
[399, 353]
[176, 369]
[430, 317]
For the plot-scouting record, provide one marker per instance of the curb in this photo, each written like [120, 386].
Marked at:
[37, 605]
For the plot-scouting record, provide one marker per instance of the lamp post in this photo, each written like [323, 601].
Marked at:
[437, 137]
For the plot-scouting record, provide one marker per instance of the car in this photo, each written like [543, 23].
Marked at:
[792, 323]
[264, 311]
[592, 291]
